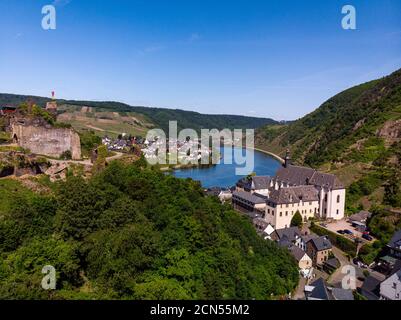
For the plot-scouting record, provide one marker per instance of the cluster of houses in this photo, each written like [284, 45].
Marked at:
[388, 288]
[187, 151]
[122, 143]
[311, 251]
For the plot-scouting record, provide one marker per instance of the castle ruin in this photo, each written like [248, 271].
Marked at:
[46, 140]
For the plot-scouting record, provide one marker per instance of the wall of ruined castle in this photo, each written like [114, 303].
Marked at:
[51, 142]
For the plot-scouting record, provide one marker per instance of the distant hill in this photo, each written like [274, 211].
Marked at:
[158, 116]
[356, 134]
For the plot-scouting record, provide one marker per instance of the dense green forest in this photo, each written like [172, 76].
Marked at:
[160, 117]
[133, 233]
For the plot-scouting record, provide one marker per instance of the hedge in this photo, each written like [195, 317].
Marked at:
[340, 242]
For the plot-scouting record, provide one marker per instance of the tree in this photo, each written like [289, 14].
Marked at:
[296, 220]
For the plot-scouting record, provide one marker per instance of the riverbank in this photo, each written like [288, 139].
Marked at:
[275, 156]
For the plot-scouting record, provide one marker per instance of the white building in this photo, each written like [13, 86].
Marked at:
[282, 204]
[330, 190]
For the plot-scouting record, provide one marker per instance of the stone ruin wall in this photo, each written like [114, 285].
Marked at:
[50, 142]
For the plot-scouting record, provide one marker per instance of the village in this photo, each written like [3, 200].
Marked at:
[301, 209]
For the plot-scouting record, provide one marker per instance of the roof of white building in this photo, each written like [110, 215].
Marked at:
[298, 176]
[294, 195]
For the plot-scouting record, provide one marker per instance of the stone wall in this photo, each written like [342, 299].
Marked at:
[51, 142]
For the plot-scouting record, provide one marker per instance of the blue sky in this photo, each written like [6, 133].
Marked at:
[278, 59]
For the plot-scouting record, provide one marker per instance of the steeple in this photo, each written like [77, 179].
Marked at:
[287, 159]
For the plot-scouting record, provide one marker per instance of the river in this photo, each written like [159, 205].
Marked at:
[224, 175]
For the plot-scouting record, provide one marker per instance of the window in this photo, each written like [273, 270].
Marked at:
[338, 212]
[325, 198]
[286, 213]
[281, 214]
[338, 199]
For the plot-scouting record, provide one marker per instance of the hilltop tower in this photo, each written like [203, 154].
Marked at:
[51, 106]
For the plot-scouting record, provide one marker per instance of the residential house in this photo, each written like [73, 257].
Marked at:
[319, 290]
[7, 110]
[390, 289]
[319, 250]
[305, 239]
[304, 261]
[283, 203]
[291, 235]
[361, 217]
[263, 228]
[394, 245]
[370, 288]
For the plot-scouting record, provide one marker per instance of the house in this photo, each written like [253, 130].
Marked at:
[304, 261]
[360, 217]
[319, 250]
[394, 245]
[390, 289]
[7, 110]
[283, 203]
[370, 288]
[292, 235]
[318, 290]
[263, 228]
[331, 265]
[330, 190]
[341, 294]
[305, 239]
[249, 202]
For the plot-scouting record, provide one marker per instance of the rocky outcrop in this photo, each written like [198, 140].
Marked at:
[391, 131]
[48, 141]
[19, 164]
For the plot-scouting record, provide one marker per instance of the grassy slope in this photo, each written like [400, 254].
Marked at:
[158, 116]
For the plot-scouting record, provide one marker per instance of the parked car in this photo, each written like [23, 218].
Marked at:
[346, 231]
[340, 231]
[366, 232]
[324, 225]
[367, 237]
[359, 263]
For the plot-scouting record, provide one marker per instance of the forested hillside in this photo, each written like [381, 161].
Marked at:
[133, 233]
[356, 134]
[158, 116]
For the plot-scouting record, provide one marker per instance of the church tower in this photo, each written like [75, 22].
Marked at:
[287, 159]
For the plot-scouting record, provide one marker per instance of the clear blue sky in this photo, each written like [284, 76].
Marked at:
[278, 59]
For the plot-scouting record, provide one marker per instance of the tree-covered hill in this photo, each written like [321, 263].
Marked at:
[356, 134]
[160, 117]
[134, 233]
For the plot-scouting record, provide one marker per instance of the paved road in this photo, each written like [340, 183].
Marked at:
[87, 161]
[299, 292]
